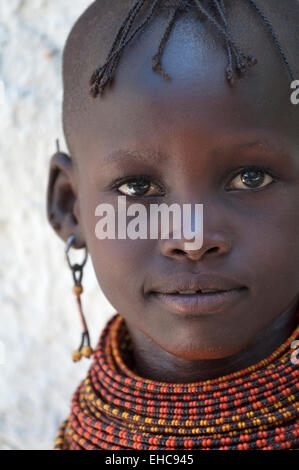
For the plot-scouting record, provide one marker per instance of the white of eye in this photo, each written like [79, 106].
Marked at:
[127, 191]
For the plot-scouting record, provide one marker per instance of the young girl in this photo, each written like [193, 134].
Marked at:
[185, 102]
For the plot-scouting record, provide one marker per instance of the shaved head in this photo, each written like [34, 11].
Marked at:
[92, 36]
[86, 48]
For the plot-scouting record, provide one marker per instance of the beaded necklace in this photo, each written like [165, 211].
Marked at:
[113, 408]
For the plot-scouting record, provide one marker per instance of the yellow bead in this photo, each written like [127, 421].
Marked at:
[77, 290]
[87, 351]
[76, 356]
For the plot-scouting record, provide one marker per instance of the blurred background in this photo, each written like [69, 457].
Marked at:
[39, 321]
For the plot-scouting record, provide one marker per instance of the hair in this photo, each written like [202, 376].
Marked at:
[215, 13]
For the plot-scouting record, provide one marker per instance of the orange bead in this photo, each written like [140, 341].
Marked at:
[76, 356]
[77, 290]
[87, 351]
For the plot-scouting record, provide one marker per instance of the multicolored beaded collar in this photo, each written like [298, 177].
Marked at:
[115, 409]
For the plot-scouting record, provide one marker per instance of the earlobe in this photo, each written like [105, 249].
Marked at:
[62, 199]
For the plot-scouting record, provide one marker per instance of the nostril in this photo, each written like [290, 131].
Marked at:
[215, 248]
[176, 251]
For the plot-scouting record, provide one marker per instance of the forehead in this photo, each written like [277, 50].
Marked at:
[141, 106]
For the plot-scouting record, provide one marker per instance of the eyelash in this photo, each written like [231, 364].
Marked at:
[121, 181]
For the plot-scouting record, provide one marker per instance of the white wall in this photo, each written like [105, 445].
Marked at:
[39, 323]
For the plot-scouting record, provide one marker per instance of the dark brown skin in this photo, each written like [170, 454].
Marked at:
[209, 131]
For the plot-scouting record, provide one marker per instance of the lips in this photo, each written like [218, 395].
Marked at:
[190, 295]
[204, 281]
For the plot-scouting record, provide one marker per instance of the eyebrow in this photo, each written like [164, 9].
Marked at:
[156, 156]
[144, 155]
[261, 144]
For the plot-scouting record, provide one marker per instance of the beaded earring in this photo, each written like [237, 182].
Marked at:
[77, 272]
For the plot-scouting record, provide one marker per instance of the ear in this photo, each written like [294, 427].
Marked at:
[62, 199]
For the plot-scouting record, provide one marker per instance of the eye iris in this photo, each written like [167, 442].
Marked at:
[253, 178]
[139, 187]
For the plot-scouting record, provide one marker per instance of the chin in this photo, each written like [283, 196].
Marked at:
[199, 352]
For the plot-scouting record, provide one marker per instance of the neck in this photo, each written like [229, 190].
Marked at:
[154, 363]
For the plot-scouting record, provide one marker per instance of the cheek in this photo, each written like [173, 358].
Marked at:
[120, 264]
[120, 267]
[272, 253]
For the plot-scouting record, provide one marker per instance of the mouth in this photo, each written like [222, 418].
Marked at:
[199, 302]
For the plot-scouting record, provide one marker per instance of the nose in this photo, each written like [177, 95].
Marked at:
[212, 246]
[215, 242]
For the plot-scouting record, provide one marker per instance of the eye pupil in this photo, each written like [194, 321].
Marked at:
[253, 178]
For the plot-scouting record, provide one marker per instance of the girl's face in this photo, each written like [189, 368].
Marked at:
[192, 140]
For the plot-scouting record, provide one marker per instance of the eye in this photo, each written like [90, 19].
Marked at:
[251, 178]
[139, 187]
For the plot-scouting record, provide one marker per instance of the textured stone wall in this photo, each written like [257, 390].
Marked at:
[39, 323]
